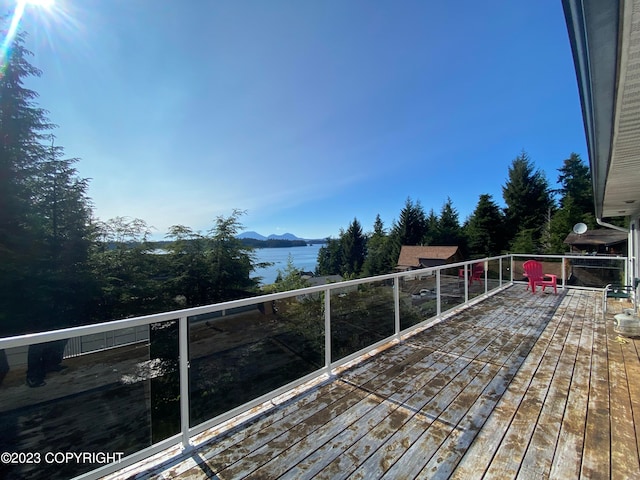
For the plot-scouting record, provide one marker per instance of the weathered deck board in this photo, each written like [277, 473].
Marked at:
[482, 451]
[596, 453]
[565, 461]
[518, 386]
[624, 451]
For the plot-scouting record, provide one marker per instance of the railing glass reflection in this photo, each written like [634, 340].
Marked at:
[237, 355]
[361, 315]
[116, 400]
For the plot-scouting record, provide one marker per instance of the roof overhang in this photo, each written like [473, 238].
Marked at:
[605, 40]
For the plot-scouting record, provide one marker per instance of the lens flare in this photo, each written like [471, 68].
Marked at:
[10, 33]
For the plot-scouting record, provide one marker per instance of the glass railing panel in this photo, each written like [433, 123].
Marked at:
[110, 403]
[593, 271]
[452, 285]
[493, 274]
[243, 353]
[475, 278]
[418, 298]
[361, 315]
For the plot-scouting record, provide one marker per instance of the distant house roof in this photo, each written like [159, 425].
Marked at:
[323, 280]
[603, 237]
[413, 256]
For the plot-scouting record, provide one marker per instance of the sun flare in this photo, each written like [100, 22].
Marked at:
[38, 3]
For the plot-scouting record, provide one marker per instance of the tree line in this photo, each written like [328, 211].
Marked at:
[535, 219]
[60, 266]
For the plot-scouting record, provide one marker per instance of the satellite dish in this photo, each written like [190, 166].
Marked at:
[579, 228]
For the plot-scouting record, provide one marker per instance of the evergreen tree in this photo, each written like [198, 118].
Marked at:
[575, 183]
[63, 230]
[378, 259]
[576, 203]
[448, 230]
[431, 228]
[353, 249]
[330, 257]
[485, 228]
[527, 198]
[290, 278]
[231, 262]
[190, 278]
[44, 212]
[130, 277]
[411, 226]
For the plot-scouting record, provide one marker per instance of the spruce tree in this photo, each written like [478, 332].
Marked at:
[528, 201]
[44, 211]
[485, 228]
[353, 249]
[448, 229]
[378, 259]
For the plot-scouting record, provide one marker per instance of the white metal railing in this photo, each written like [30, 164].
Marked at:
[498, 271]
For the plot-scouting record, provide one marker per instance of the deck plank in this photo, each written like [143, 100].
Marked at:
[485, 446]
[624, 452]
[556, 453]
[596, 454]
[632, 366]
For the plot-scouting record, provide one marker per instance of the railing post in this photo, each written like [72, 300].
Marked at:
[467, 274]
[327, 330]
[500, 272]
[438, 304]
[396, 303]
[511, 270]
[563, 272]
[486, 276]
[183, 346]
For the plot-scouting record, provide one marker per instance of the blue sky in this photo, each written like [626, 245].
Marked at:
[304, 113]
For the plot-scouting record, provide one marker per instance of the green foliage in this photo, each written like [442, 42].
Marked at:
[45, 215]
[330, 257]
[525, 241]
[129, 275]
[485, 228]
[575, 184]
[343, 256]
[353, 249]
[528, 199]
[448, 230]
[576, 203]
[289, 279]
[378, 260]
[411, 226]
[272, 243]
[431, 230]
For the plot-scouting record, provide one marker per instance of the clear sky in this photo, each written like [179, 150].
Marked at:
[304, 113]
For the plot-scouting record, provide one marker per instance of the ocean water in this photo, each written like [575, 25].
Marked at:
[304, 258]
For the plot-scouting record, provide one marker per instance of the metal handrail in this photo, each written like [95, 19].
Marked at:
[182, 316]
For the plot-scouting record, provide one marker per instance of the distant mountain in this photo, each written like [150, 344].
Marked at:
[254, 235]
[284, 236]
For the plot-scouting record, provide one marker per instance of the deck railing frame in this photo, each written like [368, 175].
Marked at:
[184, 438]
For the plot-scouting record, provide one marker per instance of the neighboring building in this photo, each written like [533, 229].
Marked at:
[604, 241]
[413, 257]
[323, 280]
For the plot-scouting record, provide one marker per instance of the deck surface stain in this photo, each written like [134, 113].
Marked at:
[518, 386]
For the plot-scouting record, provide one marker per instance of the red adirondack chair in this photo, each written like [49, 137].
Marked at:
[533, 271]
[475, 273]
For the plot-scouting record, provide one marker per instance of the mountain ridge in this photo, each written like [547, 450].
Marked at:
[273, 236]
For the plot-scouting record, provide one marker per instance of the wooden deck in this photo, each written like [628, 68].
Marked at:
[518, 386]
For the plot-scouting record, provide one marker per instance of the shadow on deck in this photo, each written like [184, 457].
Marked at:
[517, 386]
